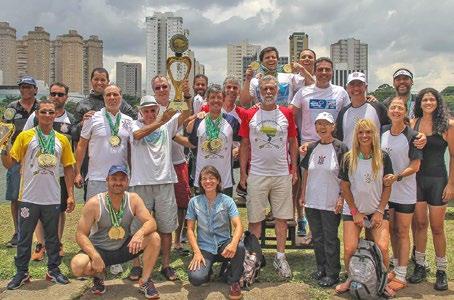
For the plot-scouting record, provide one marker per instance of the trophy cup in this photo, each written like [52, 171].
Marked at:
[178, 68]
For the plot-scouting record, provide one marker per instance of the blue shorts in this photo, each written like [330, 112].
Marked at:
[13, 182]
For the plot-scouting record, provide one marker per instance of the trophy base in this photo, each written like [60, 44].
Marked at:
[178, 105]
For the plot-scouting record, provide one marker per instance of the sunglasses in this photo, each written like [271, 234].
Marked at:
[57, 94]
[162, 87]
[47, 112]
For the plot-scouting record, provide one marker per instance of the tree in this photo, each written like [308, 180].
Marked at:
[132, 100]
[383, 91]
[448, 91]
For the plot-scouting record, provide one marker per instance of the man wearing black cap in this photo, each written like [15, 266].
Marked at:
[17, 113]
[104, 234]
[402, 82]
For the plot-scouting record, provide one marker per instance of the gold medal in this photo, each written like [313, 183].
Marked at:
[47, 160]
[116, 233]
[287, 68]
[206, 146]
[255, 65]
[215, 144]
[9, 114]
[115, 141]
[121, 232]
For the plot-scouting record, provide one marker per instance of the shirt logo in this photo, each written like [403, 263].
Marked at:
[321, 160]
[368, 178]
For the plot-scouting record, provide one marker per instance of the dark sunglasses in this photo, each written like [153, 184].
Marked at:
[57, 94]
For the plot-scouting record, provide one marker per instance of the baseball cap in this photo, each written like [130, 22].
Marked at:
[325, 116]
[118, 168]
[356, 76]
[147, 101]
[27, 80]
[403, 71]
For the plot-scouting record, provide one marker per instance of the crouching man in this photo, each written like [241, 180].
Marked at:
[103, 234]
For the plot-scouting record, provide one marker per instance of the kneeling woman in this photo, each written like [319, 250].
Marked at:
[362, 171]
[214, 212]
[397, 141]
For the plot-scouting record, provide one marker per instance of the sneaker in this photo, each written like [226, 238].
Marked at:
[116, 269]
[441, 283]
[240, 191]
[419, 274]
[38, 253]
[282, 267]
[98, 286]
[12, 242]
[18, 280]
[302, 223]
[328, 281]
[235, 291]
[149, 289]
[61, 252]
[56, 276]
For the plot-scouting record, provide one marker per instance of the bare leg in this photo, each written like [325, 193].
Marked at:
[150, 254]
[437, 225]
[14, 212]
[61, 225]
[166, 245]
[280, 226]
[181, 216]
[381, 238]
[402, 228]
[256, 229]
[422, 223]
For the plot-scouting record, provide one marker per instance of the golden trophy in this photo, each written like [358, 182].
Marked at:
[178, 68]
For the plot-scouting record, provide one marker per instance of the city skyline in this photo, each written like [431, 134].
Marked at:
[396, 35]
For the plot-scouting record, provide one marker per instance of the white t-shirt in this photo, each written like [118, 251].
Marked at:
[151, 156]
[178, 156]
[102, 154]
[221, 159]
[268, 133]
[312, 100]
[285, 93]
[322, 165]
[402, 151]
[197, 103]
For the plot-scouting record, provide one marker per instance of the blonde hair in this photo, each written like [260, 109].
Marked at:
[351, 157]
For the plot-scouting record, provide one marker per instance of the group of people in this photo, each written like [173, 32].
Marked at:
[302, 145]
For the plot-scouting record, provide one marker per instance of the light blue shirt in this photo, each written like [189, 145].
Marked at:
[213, 222]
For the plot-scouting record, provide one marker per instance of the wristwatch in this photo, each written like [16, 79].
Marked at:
[399, 177]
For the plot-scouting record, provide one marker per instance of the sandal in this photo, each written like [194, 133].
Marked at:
[389, 292]
[169, 273]
[391, 276]
[135, 273]
[181, 251]
[343, 287]
[397, 284]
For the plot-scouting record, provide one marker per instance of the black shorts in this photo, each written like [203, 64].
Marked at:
[402, 208]
[430, 189]
[369, 217]
[63, 195]
[119, 256]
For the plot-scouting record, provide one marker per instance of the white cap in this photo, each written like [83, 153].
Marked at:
[147, 101]
[356, 76]
[325, 116]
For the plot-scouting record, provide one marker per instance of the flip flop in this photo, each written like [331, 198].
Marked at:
[389, 292]
[343, 287]
[397, 284]
[391, 276]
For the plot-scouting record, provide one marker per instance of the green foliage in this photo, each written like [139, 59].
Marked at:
[70, 107]
[450, 102]
[448, 91]
[383, 91]
[132, 100]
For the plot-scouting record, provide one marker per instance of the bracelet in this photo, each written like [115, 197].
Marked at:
[354, 211]
[380, 212]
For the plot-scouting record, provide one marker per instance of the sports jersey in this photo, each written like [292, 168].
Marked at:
[178, 156]
[401, 151]
[40, 185]
[268, 133]
[285, 89]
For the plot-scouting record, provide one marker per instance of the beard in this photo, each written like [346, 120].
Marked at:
[269, 100]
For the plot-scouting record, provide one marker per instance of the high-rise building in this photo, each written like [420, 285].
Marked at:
[159, 30]
[93, 54]
[8, 54]
[298, 41]
[69, 58]
[129, 78]
[235, 54]
[38, 54]
[21, 57]
[348, 55]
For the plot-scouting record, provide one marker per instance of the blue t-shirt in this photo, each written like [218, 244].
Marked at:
[213, 222]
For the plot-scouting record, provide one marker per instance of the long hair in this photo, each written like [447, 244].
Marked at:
[211, 171]
[351, 157]
[440, 116]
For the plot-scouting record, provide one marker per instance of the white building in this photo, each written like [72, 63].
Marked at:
[235, 54]
[348, 55]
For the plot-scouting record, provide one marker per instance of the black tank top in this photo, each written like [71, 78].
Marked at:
[433, 162]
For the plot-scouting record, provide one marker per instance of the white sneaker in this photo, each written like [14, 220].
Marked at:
[282, 267]
[116, 269]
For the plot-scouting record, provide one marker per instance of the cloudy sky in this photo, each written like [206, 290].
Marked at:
[415, 34]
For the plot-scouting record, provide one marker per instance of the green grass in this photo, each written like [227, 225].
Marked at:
[301, 261]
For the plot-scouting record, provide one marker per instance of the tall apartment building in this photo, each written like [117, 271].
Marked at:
[348, 55]
[93, 54]
[38, 54]
[21, 57]
[8, 53]
[298, 41]
[159, 30]
[129, 78]
[235, 54]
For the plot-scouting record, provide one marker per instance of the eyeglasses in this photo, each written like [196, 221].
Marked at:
[47, 112]
[57, 94]
[161, 87]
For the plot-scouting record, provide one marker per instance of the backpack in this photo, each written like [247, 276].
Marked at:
[253, 260]
[367, 272]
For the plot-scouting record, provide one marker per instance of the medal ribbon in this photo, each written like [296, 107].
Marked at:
[213, 127]
[46, 143]
[113, 128]
[115, 217]
[265, 71]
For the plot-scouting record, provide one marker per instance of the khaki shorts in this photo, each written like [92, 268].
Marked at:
[160, 201]
[263, 191]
